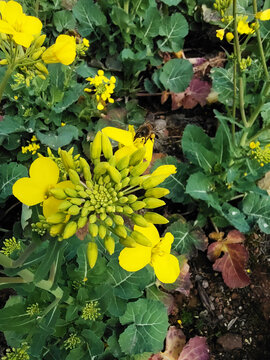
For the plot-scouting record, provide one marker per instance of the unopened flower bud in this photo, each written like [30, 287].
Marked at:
[106, 146]
[109, 244]
[93, 229]
[39, 41]
[140, 238]
[135, 181]
[138, 205]
[76, 201]
[67, 160]
[74, 177]
[92, 254]
[123, 163]
[108, 221]
[152, 203]
[155, 218]
[74, 210]
[156, 192]
[79, 187]
[140, 168]
[118, 186]
[37, 54]
[118, 219]
[3, 62]
[102, 230]
[92, 219]
[128, 242]
[82, 221]
[139, 220]
[86, 169]
[132, 198]
[58, 193]
[64, 205]
[71, 192]
[101, 168]
[70, 229]
[125, 181]
[121, 231]
[83, 194]
[56, 229]
[114, 174]
[137, 156]
[41, 67]
[123, 200]
[112, 161]
[56, 218]
[124, 173]
[127, 210]
[153, 181]
[95, 150]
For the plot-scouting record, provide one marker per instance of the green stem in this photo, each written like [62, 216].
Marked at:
[27, 252]
[259, 41]
[238, 56]
[126, 6]
[11, 280]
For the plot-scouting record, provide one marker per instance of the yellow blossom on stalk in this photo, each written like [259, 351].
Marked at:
[31, 148]
[243, 26]
[23, 29]
[103, 88]
[10, 245]
[220, 33]
[129, 143]
[166, 265]
[263, 15]
[262, 155]
[229, 36]
[44, 174]
[63, 51]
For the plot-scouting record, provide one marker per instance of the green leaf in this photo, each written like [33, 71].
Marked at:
[85, 71]
[197, 147]
[235, 217]
[187, 238]
[63, 20]
[89, 16]
[176, 75]
[26, 215]
[9, 174]
[171, 2]
[221, 145]
[76, 354]
[116, 306]
[14, 318]
[199, 186]
[176, 183]
[69, 98]
[151, 24]
[257, 207]
[11, 124]
[63, 136]
[174, 28]
[265, 113]
[94, 345]
[128, 285]
[223, 84]
[147, 322]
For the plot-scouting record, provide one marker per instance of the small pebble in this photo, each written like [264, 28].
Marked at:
[205, 284]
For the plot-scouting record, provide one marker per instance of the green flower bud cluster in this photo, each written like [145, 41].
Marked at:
[105, 195]
[10, 245]
[41, 226]
[221, 6]
[91, 311]
[72, 342]
[245, 63]
[33, 309]
[17, 354]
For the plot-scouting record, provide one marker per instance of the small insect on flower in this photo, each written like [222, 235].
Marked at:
[145, 131]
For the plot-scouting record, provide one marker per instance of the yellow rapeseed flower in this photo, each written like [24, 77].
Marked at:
[44, 174]
[243, 26]
[23, 29]
[229, 36]
[263, 15]
[166, 265]
[63, 51]
[220, 33]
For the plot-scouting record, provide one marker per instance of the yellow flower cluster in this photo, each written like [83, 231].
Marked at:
[82, 47]
[32, 147]
[262, 155]
[10, 245]
[263, 15]
[103, 88]
[243, 26]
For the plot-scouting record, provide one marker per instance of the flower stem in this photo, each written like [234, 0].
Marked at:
[5, 79]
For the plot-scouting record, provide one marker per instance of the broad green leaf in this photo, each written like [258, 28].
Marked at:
[235, 217]
[176, 75]
[89, 16]
[171, 2]
[14, 318]
[174, 28]
[187, 238]
[11, 124]
[57, 75]
[221, 145]
[265, 113]
[76, 354]
[69, 98]
[224, 122]
[223, 84]
[151, 24]
[95, 345]
[147, 322]
[257, 207]
[85, 71]
[197, 147]
[26, 215]
[128, 285]
[124, 21]
[63, 136]
[63, 20]
[199, 186]
[176, 183]
[9, 174]
[116, 306]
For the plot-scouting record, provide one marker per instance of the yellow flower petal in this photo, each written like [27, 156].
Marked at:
[166, 267]
[31, 25]
[150, 232]
[149, 150]
[122, 136]
[45, 171]
[6, 28]
[263, 15]
[134, 259]
[63, 51]
[23, 39]
[124, 151]
[28, 191]
[166, 243]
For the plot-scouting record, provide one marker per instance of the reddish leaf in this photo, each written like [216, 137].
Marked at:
[196, 93]
[232, 265]
[195, 349]
[177, 99]
[214, 250]
[234, 237]
[175, 342]
[164, 96]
